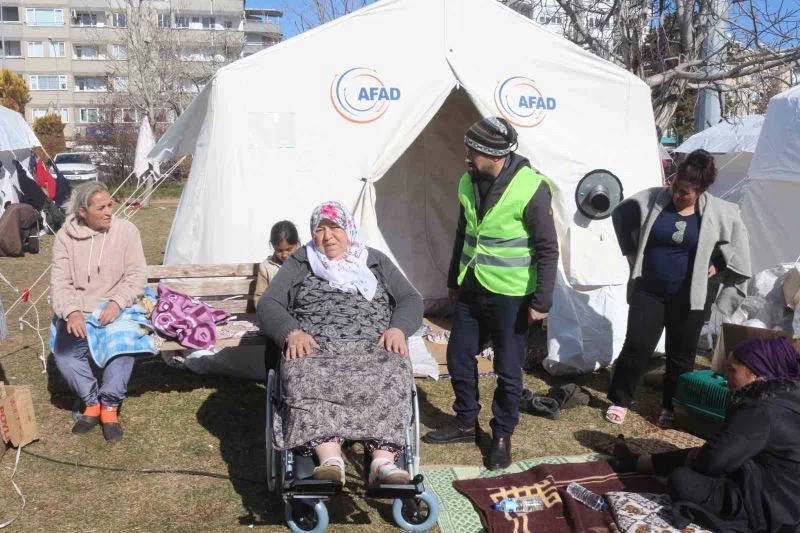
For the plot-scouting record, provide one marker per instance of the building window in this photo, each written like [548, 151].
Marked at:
[121, 84]
[63, 113]
[93, 84]
[35, 49]
[57, 49]
[119, 20]
[44, 17]
[86, 52]
[85, 19]
[181, 21]
[119, 51]
[10, 49]
[165, 116]
[228, 24]
[127, 116]
[89, 115]
[543, 19]
[209, 23]
[48, 82]
[9, 14]
[164, 20]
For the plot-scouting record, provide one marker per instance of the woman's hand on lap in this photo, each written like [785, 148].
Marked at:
[394, 341]
[299, 344]
[76, 324]
[109, 313]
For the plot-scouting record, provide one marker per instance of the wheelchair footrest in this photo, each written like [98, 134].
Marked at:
[391, 492]
[320, 487]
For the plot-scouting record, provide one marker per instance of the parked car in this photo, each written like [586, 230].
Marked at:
[76, 167]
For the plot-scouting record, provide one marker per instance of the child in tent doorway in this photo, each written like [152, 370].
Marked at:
[284, 241]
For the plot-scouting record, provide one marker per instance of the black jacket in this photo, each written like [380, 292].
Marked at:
[759, 450]
[276, 304]
[538, 216]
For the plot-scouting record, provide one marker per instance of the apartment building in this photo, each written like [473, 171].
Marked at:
[77, 55]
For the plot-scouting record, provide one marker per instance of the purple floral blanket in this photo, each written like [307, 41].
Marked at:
[191, 322]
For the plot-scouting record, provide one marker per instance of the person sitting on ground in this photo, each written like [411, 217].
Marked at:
[284, 241]
[676, 239]
[97, 258]
[342, 313]
[745, 478]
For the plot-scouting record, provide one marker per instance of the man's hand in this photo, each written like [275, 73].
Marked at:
[712, 271]
[109, 313]
[535, 316]
[394, 341]
[76, 324]
[299, 344]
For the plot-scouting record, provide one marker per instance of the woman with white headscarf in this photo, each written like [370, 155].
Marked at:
[342, 312]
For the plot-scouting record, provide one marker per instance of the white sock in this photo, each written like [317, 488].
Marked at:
[335, 460]
[381, 467]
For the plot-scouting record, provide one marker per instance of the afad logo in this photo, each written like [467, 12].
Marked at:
[521, 102]
[359, 95]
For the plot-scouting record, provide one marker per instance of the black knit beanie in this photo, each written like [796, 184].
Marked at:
[493, 136]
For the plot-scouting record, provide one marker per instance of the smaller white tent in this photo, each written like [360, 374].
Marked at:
[16, 142]
[732, 144]
[771, 196]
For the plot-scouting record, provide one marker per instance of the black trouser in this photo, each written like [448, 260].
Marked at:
[716, 503]
[648, 316]
[481, 315]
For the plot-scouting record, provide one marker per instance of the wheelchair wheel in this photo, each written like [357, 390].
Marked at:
[416, 514]
[306, 516]
[272, 454]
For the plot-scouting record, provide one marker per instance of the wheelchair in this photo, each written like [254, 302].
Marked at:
[289, 478]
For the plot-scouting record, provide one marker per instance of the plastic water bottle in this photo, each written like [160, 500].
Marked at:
[586, 497]
[524, 504]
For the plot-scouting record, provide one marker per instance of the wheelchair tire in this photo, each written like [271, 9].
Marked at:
[272, 454]
[409, 515]
[306, 516]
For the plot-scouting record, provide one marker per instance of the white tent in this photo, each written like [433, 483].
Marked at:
[771, 196]
[371, 110]
[732, 144]
[16, 142]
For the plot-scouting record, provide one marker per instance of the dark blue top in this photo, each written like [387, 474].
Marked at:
[669, 254]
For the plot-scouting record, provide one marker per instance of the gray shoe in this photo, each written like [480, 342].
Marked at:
[451, 433]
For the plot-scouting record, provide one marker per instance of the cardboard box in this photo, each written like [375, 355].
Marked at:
[17, 420]
[733, 334]
[791, 288]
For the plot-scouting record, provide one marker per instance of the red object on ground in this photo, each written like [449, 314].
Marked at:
[26, 294]
[45, 179]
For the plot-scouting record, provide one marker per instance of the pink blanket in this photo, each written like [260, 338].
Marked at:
[192, 322]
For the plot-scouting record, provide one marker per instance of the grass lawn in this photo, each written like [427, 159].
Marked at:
[175, 420]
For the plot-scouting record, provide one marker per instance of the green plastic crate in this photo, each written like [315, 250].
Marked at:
[703, 393]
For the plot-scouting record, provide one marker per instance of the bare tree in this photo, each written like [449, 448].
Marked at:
[312, 13]
[667, 42]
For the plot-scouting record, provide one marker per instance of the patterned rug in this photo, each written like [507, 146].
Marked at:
[457, 513]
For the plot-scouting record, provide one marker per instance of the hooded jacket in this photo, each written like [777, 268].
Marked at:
[89, 267]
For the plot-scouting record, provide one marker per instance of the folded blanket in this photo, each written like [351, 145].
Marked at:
[636, 512]
[192, 322]
[549, 482]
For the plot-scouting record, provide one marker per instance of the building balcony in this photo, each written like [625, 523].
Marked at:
[260, 27]
[97, 66]
[11, 31]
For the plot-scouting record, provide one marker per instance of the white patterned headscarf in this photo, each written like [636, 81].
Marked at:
[350, 273]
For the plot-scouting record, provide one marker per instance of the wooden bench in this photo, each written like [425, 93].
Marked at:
[227, 287]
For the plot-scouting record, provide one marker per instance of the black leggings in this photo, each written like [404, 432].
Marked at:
[648, 316]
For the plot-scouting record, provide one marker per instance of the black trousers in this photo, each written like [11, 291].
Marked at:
[649, 315]
[481, 315]
[715, 503]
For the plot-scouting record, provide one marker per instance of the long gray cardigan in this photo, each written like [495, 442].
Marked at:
[723, 238]
[275, 305]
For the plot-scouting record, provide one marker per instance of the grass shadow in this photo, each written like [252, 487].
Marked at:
[602, 442]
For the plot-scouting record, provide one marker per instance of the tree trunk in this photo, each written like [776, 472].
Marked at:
[666, 101]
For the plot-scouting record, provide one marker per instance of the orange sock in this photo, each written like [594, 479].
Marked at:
[109, 415]
[92, 410]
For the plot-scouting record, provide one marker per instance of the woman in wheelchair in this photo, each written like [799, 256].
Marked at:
[342, 313]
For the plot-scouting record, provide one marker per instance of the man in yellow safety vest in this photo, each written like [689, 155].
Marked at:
[501, 276]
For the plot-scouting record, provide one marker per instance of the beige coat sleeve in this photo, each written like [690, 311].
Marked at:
[132, 285]
[65, 298]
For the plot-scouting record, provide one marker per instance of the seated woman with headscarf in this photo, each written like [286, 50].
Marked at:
[342, 313]
[747, 477]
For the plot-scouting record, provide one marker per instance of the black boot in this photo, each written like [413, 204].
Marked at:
[499, 453]
[84, 424]
[112, 432]
[452, 433]
[624, 459]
